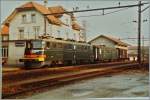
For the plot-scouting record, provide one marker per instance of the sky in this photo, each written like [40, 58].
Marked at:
[119, 24]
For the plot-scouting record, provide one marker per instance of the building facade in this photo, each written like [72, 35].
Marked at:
[30, 21]
[109, 48]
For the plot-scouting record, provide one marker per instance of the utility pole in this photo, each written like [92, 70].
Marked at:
[45, 4]
[44, 25]
[139, 33]
[143, 50]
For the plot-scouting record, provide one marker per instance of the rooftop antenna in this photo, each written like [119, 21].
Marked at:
[84, 31]
[119, 4]
[45, 33]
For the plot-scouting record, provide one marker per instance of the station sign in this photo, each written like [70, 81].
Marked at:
[19, 44]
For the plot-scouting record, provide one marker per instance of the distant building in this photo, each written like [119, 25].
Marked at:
[28, 22]
[110, 47]
[133, 53]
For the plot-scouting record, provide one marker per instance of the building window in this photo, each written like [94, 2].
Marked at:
[4, 38]
[4, 52]
[33, 18]
[21, 33]
[67, 22]
[24, 18]
[36, 30]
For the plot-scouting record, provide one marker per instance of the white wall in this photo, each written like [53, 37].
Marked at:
[66, 29]
[29, 33]
[15, 53]
[16, 23]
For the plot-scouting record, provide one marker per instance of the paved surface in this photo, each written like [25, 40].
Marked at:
[127, 84]
[9, 69]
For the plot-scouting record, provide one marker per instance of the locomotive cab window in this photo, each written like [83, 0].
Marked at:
[38, 44]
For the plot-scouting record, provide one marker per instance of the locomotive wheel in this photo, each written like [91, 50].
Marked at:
[27, 65]
[31, 65]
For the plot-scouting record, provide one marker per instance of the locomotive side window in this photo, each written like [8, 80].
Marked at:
[74, 47]
[68, 46]
[47, 45]
[59, 45]
[85, 47]
[81, 47]
[54, 45]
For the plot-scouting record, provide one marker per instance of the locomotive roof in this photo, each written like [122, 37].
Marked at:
[52, 40]
[65, 41]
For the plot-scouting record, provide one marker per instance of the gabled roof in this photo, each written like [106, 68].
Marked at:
[4, 30]
[75, 26]
[40, 8]
[57, 9]
[115, 40]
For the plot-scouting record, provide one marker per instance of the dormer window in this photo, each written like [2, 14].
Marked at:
[33, 18]
[24, 18]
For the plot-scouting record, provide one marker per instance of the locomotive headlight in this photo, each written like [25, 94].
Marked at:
[41, 59]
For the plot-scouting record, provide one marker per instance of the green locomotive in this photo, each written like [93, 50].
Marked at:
[49, 52]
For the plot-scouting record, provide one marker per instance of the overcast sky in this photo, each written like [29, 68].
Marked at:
[119, 24]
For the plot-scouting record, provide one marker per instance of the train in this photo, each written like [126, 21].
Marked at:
[51, 52]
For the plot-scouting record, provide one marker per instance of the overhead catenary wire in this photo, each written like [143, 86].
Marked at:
[97, 9]
[145, 8]
[132, 38]
[104, 13]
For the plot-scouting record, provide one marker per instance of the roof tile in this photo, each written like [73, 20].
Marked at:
[5, 30]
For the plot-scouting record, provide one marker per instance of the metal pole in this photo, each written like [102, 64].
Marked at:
[84, 31]
[143, 51]
[139, 33]
[45, 25]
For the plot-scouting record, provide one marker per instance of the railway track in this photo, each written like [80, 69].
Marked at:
[11, 77]
[20, 70]
[24, 86]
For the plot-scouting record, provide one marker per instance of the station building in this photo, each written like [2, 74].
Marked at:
[109, 48]
[28, 21]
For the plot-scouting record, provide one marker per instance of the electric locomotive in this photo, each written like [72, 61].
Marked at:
[49, 52]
